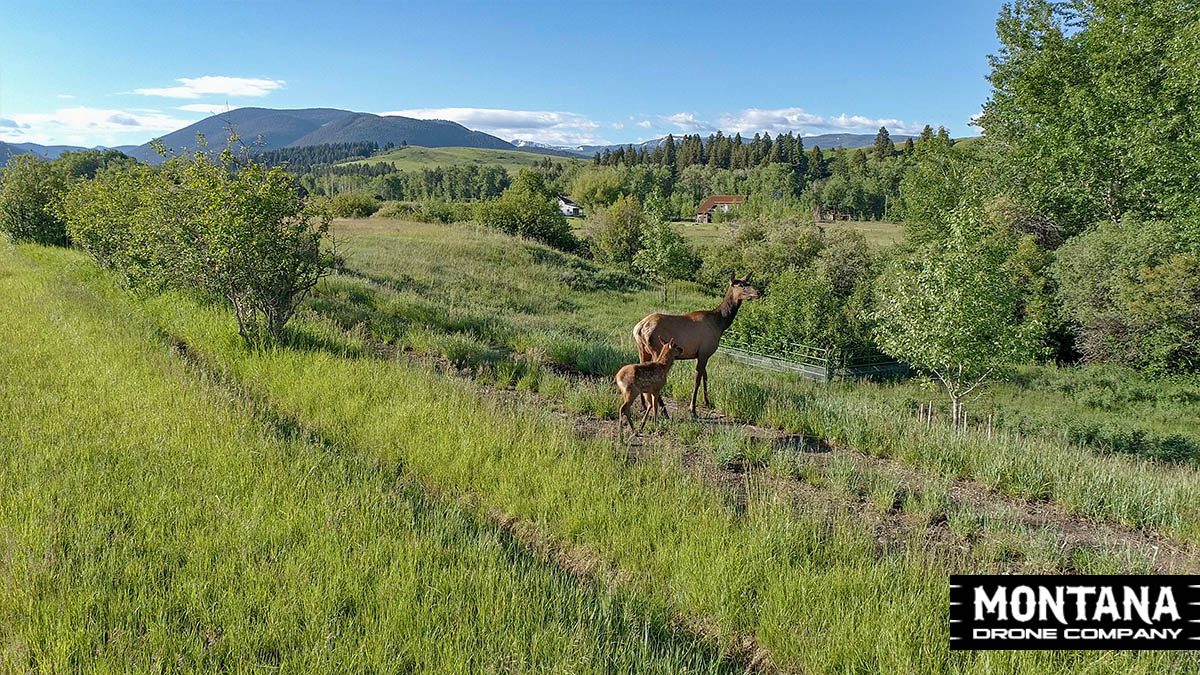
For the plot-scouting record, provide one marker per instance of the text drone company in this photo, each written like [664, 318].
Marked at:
[1081, 612]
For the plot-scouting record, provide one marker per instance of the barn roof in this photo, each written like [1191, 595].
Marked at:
[717, 200]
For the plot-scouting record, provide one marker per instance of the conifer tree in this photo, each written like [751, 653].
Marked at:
[816, 164]
[884, 147]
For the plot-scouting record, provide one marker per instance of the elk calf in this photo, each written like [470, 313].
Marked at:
[648, 378]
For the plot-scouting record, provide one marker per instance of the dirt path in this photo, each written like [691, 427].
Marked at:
[1070, 532]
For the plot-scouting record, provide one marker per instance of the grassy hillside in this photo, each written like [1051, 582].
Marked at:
[415, 158]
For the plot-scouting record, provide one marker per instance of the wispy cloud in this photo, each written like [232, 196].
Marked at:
[210, 108]
[90, 125]
[65, 96]
[214, 85]
[645, 124]
[541, 126]
[688, 123]
[783, 120]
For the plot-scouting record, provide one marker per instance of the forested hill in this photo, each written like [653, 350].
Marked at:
[321, 126]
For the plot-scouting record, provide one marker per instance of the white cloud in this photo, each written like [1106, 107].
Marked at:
[65, 96]
[645, 123]
[688, 123]
[782, 120]
[209, 108]
[91, 126]
[214, 85]
[540, 126]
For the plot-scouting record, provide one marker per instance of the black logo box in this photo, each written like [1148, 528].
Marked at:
[968, 631]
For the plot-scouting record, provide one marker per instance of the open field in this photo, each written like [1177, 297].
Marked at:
[700, 234]
[459, 296]
[413, 158]
[426, 474]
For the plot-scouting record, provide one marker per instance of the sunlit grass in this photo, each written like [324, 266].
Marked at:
[150, 522]
[812, 585]
[512, 295]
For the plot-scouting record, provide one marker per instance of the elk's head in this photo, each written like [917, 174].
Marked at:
[670, 350]
[740, 289]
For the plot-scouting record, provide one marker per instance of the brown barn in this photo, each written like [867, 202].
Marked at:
[723, 202]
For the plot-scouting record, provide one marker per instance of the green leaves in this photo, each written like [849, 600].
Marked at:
[29, 189]
[228, 228]
[1096, 102]
[527, 209]
[1131, 290]
[953, 309]
[665, 254]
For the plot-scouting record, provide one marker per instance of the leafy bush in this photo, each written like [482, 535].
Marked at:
[527, 209]
[617, 236]
[428, 211]
[229, 228]
[29, 189]
[765, 251]
[1130, 289]
[597, 187]
[823, 299]
[353, 205]
[665, 254]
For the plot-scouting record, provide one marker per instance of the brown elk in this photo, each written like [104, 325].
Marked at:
[698, 334]
[645, 379]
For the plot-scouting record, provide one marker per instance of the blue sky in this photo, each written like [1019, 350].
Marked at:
[110, 73]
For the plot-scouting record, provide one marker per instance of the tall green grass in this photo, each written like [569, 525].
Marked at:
[151, 522]
[504, 293]
[1135, 492]
[817, 591]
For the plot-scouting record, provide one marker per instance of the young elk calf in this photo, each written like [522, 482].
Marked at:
[648, 378]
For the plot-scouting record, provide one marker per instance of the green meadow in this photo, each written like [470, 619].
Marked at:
[424, 475]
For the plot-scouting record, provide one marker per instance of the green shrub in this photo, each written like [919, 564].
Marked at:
[227, 228]
[617, 234]
[353, 205]
[29, 190]
[1130, 291]
[428, 211]
[525, 211]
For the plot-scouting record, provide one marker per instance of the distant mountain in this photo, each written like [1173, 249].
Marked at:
[317, 126]
[48, 151]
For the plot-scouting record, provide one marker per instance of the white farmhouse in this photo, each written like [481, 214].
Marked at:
[569, 208]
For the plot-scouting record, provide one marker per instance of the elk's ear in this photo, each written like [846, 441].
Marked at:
[746, 278]
[732, 278]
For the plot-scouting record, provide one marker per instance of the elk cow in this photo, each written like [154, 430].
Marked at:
[697, 334]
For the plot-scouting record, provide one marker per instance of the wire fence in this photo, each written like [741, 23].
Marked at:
[816, 363]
